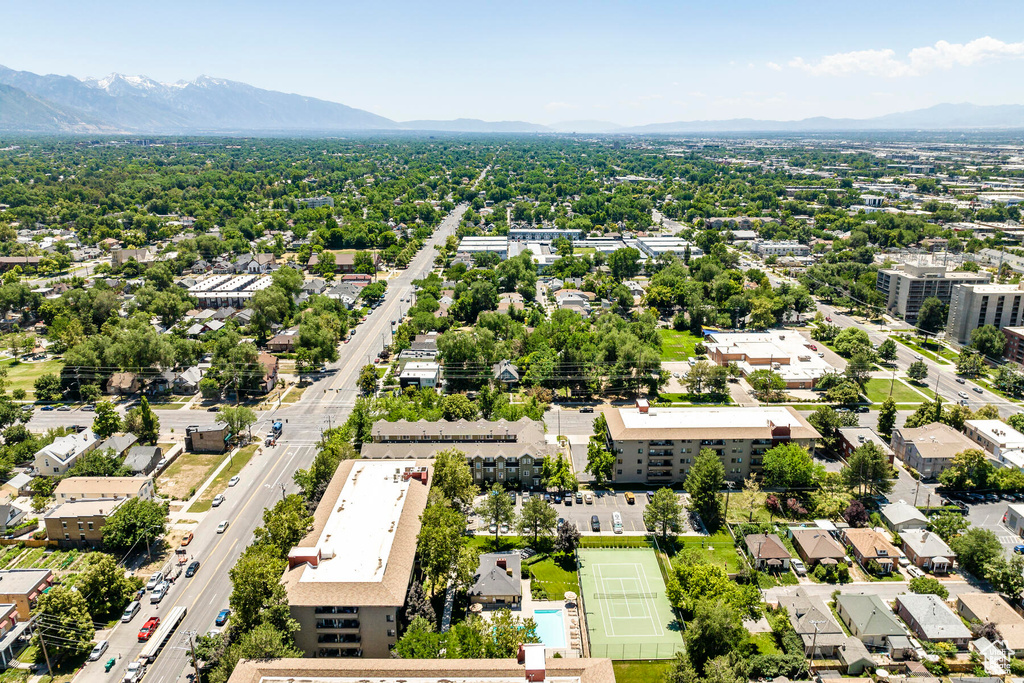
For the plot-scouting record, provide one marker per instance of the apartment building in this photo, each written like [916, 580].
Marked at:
[486, 244]
[505, 452]
[994, 436]
[659, 445]
[975, 305]
[929, 449]
[315, 202]
[906, 287]
[348, 578]
[780, 248]
[543, 234]
[22, 587]
[1014, 349]
[99, 488]
[63, 452]
[657, 245]
[80, 523]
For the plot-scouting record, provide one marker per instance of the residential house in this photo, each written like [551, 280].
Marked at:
[22, 587]
[269, 364]
[119, 257]
[18, 485]
[813, 622]
[868, 618]
[314, 286]
[852, 438]
[123, 384]
[926, 550]
[143, 459]
[282, 343]
[900, 516]
[11, 634]
[498, 580]
[506, 373]
[929, 449]
[855, 658]
[72, 489]
[207, 439]
[768, 551]
[187, 381]
[511, 301]
[80, 523]
[990, 608]
[422, 375]
[10, 515]
[816, 546]
[931, 619]
[869, 546]
[343, 262]
[255, 264]
[57, 458]
[119, 443]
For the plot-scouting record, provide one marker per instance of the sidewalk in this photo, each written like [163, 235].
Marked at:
[183, 512]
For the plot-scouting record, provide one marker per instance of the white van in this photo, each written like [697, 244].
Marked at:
[617, 522]
[98, 651]
[130, 611]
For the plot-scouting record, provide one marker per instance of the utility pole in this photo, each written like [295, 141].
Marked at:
[42, 644]
[814, 642]
[192, 650]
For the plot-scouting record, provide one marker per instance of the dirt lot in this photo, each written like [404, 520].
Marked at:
[188, 471]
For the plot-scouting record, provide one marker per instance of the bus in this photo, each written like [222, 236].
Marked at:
[617, 522]
[163, 634]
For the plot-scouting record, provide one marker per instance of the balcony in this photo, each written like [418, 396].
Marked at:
[330, 609]
[712, 442]
[660, 443]
[337, 624]
[660, 475]
[339, 652]
[338, 638]
[659, 463]
[661, 452]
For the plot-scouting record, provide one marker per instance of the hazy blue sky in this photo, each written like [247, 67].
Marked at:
[627, 62]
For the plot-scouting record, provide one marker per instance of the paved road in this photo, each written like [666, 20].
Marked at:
[887, 590]
[264, 480]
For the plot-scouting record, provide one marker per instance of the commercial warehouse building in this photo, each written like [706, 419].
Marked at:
[659, 445]
[348, 578]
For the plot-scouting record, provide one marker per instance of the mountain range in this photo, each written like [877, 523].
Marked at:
[30, 103]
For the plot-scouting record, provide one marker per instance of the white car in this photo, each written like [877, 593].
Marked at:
[962, 394]
[158, 593]
[234, 480]
[133, 673]
[98, 651]
[155, 581]
[799, 567]
[217, 500]
[222, 527]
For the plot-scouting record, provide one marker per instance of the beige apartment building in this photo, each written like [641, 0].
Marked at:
[657, 446]
[80, 523]
[348, 578]
[929, 449]
[98, 488]
[906, 287]
[975, 305]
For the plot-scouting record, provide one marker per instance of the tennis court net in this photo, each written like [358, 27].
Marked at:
[624, 596]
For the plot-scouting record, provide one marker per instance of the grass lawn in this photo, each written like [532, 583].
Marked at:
[23, 375]
[720, 549]
[294, 394]
[187, 472]
[676, 346]
[238, 461]
[765, 643]
[928, 352]
[170, 403]
[641, 672]
[878, 390]
[556, 575]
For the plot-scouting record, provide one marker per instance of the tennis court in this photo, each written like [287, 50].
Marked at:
[628, 614]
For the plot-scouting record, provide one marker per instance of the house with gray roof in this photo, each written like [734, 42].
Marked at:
[768, 551]
[813, 622]
[927, 551]
[854, 655]
[498, 580]
[868, 618]
[901, 516]
[932, 620]
[119, 443]
[505, 372]
[143, 459]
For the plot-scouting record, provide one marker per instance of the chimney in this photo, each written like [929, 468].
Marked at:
[643, 405]
[502, 563]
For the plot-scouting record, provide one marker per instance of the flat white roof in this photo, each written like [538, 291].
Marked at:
[708, 418]
[997, 431]
[355, 544]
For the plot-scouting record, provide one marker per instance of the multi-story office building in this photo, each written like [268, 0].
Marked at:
[348, 578]
[905, 288]
[505, 452]
[659, 445]
[315, 202]
[975, 305]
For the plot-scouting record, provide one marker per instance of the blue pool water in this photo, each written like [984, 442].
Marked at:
[550, 627]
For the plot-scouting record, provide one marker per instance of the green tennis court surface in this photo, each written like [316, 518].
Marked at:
[628, 615]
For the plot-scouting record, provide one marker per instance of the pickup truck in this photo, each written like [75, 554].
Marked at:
[147, 630]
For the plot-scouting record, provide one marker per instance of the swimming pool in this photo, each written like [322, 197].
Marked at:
[550, 627]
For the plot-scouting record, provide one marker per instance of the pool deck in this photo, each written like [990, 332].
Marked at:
[570, 618]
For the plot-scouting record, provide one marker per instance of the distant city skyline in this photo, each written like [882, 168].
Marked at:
[630, 64]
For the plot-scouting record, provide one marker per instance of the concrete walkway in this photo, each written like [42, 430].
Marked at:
[183, 512]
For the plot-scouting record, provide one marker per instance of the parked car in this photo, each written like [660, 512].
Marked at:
[595, 523]
[187, 539]
[88, 407]
[915, 572]
[192, 569]
[64, 409]
[561, 521]
[222, 617]
[1019, 549]
[798, 566]
[130, 611]
[588, 498]
[527, 553]
[217, 500]
[98, 650]
[630, 498]
[526, 496]
[579, 498]
[567, 500]
[587, 409]
[222, 527]
[234, 480]
[159, 592]
[146, 632]
[154, 581]
[650, 496]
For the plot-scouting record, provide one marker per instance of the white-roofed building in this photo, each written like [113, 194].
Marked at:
[994, 436]
[785, 353]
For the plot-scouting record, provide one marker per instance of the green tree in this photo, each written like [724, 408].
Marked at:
[715, 630]
[887, 417]
[333, 448]
[209, 388]
[975, 549]
[284, 525]
[970, 363]
[932, 315]
[767, 385]
[136, 521]
[918, 371]
[989, 341]
[790, 466]
[257, 595]
[567, 539]
[704, 482]
[262, 642]
[624, 263]
[948, 525]
[600, 462]
[99, 463]
[887, 351]
[367, 381]
[90, 392]
[149, 431]
[440, 542]
[664, 513]
[63, 622]
[48, 387]
[926, 585]
[238, 419]
[868, 470]
[107, 421]
[458, 407]
[496, 509]
[557, 473]
[105, 586]
[858, 370]
[454, 479]
[970, 469]
[538, 518]
[1006, 576]
[851, 341]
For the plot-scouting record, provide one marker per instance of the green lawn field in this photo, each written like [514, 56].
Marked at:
[677, 346]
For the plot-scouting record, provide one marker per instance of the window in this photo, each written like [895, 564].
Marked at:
[620, 461]
[639, 461]
[390, 618]
[618, 471]
[639, 471]
[90, 526]
[391, 633]
[640, 451]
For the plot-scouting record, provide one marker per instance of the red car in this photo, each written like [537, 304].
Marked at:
[147, 630]
[828, 318]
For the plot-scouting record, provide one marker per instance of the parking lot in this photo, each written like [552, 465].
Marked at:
[603, 504]
[989, 515]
